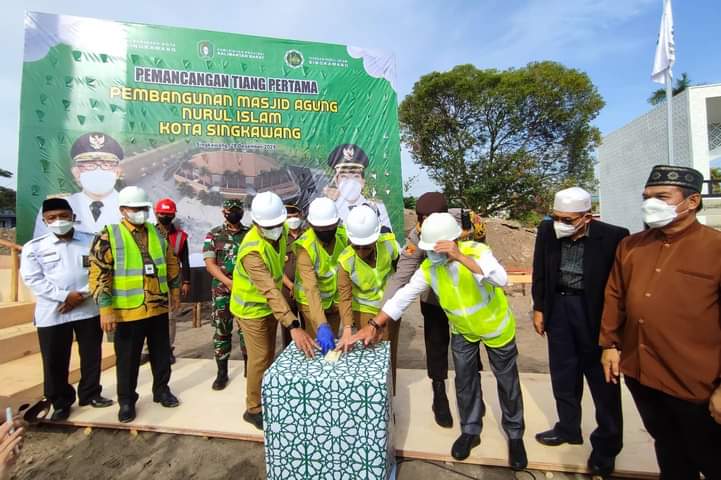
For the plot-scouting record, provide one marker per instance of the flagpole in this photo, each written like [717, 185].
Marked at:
[669, 115]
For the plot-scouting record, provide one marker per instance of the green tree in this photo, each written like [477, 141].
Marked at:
[716, 175]
[7, 195]
[659, 96]
[502, 141]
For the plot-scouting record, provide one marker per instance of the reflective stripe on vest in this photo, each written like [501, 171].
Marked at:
[246, 301]
[369, 283]
[176, 239]
[324, 265]
[128, 265]
[478, 312]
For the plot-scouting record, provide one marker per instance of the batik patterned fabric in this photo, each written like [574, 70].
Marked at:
[329, 420]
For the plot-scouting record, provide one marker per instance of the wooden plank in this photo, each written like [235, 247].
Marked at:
[14, 276]
[420, 438]
[21, 380]
[16, 313]
[18, 341]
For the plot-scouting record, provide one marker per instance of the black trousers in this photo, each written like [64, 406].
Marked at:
[437, 336]
[55, 347]
[687, 439]
[573, 354]
[129, 338]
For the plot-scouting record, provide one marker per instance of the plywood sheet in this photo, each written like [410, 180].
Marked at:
[21, 380]
[18, 341]
[16, 313]
[205, 412]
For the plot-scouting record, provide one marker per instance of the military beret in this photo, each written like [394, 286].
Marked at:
[232, 203]
[56, 203]
[683, 177]
[348, 155]
[94, 146]
[431, 202]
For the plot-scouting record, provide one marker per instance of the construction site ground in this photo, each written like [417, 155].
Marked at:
[53, 452]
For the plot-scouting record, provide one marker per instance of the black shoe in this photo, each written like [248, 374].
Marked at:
[126, 414]
[601, 465]
[463, 445]
[60, 414]
[441, 409]
[221, 380]
[172, 358]
[517, 458]
[167, 399]
[97, 402]
[254, 418]
[552, 438]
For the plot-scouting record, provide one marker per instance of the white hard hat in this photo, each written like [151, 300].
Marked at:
[437, 227]
[362, 226]
[133, 197]
[322, 212]
[267, 210]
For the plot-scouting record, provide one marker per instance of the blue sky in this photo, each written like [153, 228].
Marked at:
[612, 40]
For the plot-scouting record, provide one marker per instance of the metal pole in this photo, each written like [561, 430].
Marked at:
[669, 115]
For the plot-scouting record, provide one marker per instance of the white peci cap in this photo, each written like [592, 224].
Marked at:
[574, 199]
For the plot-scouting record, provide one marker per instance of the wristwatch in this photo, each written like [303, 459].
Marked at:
[373, 324]
[294, 324]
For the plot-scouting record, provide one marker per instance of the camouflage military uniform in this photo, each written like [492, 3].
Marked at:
[222, 244]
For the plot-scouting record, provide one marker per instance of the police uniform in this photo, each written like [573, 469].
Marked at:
[351, 158]
[221, 244]
[92, 214]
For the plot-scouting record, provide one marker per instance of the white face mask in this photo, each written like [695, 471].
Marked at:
[272, 233]
[60, 227]
[98, 182]
[437, 258]
[294, 223]
[564, 230]
[657, 213]
[350, 189]
[137, 218]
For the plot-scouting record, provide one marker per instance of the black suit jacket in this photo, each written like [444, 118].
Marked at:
[598, 257]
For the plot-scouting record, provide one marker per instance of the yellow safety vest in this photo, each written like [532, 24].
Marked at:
[128, 265]
[246, 301]
[368, 282]
[478, 312]
[325, 266]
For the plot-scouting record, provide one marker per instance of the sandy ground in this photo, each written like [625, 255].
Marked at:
[61, 453]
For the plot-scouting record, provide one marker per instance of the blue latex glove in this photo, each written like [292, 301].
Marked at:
[325, 338]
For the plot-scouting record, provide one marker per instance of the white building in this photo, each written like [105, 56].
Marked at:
[627, 155]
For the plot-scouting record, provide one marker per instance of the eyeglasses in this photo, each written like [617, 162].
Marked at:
[95, 164]
[566, 220]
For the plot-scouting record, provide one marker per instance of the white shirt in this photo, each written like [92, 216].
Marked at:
[344, 208]
[52, 268]
[80, 203]
[493, 273]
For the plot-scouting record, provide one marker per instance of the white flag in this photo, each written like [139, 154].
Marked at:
[665, 48]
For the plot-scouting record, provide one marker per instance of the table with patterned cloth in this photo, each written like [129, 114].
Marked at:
[326, 420]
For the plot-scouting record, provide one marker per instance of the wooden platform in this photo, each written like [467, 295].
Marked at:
[204, 412]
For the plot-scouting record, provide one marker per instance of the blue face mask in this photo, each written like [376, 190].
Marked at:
[437, 258]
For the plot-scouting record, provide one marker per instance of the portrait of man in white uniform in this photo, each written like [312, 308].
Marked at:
[349, 162]
[96, 169]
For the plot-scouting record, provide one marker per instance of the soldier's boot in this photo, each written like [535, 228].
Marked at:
[221, 380]
[441, 409]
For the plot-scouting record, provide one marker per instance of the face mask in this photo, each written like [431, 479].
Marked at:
[60, 227]
[325, 236]
[294, 223]
[234, 216]
[657, 213]
[272, 233]
[98, 182]
[165, 220]
[137, 218]
[564, 230]
[437, 258]
[350, 189]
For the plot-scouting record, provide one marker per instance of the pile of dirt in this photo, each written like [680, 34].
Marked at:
[512, 243]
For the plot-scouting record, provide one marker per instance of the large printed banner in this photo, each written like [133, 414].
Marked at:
[200, 117]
